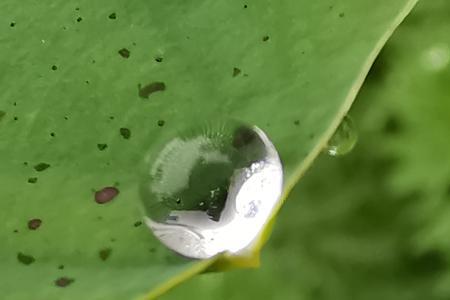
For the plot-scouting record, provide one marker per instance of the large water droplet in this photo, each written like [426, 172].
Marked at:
[211, 191]
[344, 139]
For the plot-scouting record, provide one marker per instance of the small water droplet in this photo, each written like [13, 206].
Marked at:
[212, 187]
[344, 139]
[436, 58]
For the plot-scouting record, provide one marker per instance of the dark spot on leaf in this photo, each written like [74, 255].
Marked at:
[34, 224]
[25, 259]
[104, 254]
[124, 52]
[236, 71]
[341, 15]
[112, 240]
[77, 8]
[66, 118]
[25, 163]
[112, 16]
[245, 6]
[32, 180]
[87, 81]
[152, 250]
[102, 147]
[15, 231]
[311, 136]
[54, 68]
[12, 24]
[15, 103]
[125, 133]
[265, 38]
[79, 19]
[64, 281]
[16, 118]
[52, 134]
[2, 114]
[111, 117]
[61, 267]
[137, 223]
[106, 194]
[159, 59]
[392, 125]
[41, 167]
[297, 122]
[147, 90]
[161, 123]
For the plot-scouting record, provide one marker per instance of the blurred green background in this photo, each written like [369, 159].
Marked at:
[374, 224]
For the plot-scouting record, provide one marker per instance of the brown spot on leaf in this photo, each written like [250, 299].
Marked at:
[64, 281]
[146, 90]
[106, 194]
[34, 224]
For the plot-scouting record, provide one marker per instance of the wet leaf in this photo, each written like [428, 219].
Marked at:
[62, 73]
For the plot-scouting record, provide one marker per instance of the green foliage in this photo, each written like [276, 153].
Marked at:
[373, 224]
[89, 88]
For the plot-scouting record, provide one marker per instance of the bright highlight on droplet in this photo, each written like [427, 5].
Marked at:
[212, 191]
[344, 139]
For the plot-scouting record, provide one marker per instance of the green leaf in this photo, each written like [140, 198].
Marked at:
[375, 223]
[75, 75]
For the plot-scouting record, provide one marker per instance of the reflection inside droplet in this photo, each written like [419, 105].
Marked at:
[211, 191]
[344, 139]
